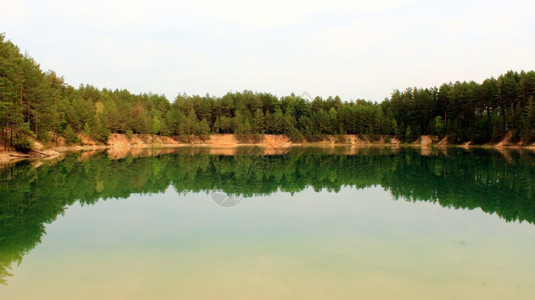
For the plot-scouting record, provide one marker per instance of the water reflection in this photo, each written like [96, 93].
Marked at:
[500, 183]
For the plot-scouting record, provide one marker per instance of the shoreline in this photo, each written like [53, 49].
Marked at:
[119, 144]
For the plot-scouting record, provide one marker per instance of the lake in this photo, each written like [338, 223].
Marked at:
[253, 223]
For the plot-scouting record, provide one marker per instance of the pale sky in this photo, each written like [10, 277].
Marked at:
[354, 49]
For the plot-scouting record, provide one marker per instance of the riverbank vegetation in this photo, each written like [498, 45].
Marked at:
[40, 104]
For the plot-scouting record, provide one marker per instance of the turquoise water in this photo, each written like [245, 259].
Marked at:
[306, 223]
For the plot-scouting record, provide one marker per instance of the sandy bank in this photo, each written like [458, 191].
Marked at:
[120, 145]
[14, 156]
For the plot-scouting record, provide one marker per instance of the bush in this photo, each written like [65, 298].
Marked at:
[374, 138]
[314, 138]
[296, 136]
[70, 136]
[129, 134]
[100, 133]
[257, 137]
[22, 144]
[340, 139]
[185, 138]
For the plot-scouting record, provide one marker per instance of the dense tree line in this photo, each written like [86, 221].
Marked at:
[469, 111]
[40, 104]
[33, 102]
[32, 197]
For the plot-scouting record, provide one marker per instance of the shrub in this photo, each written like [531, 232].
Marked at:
[70, 136]
[22, 144]
[340, 139]
[129, 134]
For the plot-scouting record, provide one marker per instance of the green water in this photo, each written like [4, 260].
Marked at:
[304, 224]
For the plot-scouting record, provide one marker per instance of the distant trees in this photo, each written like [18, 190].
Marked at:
[37, 103]
[469, 111]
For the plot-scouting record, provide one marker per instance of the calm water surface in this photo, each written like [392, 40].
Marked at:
[298, 224]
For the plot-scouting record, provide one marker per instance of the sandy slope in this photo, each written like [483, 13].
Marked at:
[119, 145]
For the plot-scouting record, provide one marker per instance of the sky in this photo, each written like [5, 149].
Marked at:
[354, 49]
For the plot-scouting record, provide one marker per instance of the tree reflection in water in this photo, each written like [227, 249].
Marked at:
[30, 196]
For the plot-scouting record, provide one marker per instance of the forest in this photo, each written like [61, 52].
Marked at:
[39, 104]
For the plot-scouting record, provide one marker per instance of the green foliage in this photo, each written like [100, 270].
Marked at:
[439, 127]
[340, 139]
[129, 134]
[70, 136]
[408, 135]
[527, 121]
[203, 129]
[22, 143]
[40, 102]
[100, 131]
[295, 136]
[156, 125]
[87, 129]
